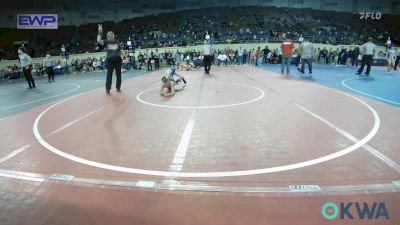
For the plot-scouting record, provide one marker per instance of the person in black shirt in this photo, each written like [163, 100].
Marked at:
[266, 52]
[113, 59]
[356, 52]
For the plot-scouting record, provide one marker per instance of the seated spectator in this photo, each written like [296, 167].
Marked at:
[222, 58]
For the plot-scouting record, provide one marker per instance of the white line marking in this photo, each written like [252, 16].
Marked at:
[180, 154]
[12, 154]
[42, 99]
[204, 107]
[349, 136]
[76, 121]
[344, 189]
[382, 157]
[22, 175]
[363, 93]
[332, 156]
[23, 148]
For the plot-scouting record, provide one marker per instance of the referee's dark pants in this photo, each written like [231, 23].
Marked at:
[397, 62]
[113, 64]
[207, 63]
[50, 73]
[366, 60]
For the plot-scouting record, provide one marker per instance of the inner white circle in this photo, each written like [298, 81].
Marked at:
[262, 94]
[307, 163]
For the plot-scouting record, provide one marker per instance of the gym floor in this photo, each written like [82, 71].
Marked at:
[243, 145]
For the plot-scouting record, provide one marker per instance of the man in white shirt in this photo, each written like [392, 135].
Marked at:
[388, 43]
[301, 39]
[25, 62]
[222, 58]
[240, 56]
[368, 51]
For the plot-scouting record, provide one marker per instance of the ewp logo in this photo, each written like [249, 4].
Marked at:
[37, 21]
[364, 211]
[367, 15]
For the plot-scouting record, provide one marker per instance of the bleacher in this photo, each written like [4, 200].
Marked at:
[242, 24]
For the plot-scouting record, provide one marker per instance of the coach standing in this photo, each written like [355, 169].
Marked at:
[368, 51]
[287, 51]
[113, 58]
[25, 62]
[208, 55]
[306, 52]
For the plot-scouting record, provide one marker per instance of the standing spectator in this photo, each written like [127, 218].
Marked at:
[287, 51]
[48, 64]
[240, 56]
[391, 57]
[266, 51]
[156, 57]
[368, 51]
[279, 53]
[251, 59]
[306, 53]
[258, 55]
[356, 53]
[388, 43]
[245, 56]
[397, 58]
[301, 39]
[25, 62]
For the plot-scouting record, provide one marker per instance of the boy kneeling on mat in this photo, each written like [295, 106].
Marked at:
[169, 82]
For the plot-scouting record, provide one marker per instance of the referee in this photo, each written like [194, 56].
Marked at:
[48, 63]
[113, 59]
[208, 56]
[367, 50]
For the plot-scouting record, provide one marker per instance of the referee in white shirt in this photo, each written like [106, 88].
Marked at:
[208, 55]
[368, 51]
[49, 63]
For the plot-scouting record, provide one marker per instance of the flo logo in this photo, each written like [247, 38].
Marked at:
[355, 210]
[369, 15]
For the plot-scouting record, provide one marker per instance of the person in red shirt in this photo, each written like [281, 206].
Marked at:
[258, 55]
[287, 50]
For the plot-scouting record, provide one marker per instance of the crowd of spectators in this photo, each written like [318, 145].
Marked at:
[152, 60]
[226, 25]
